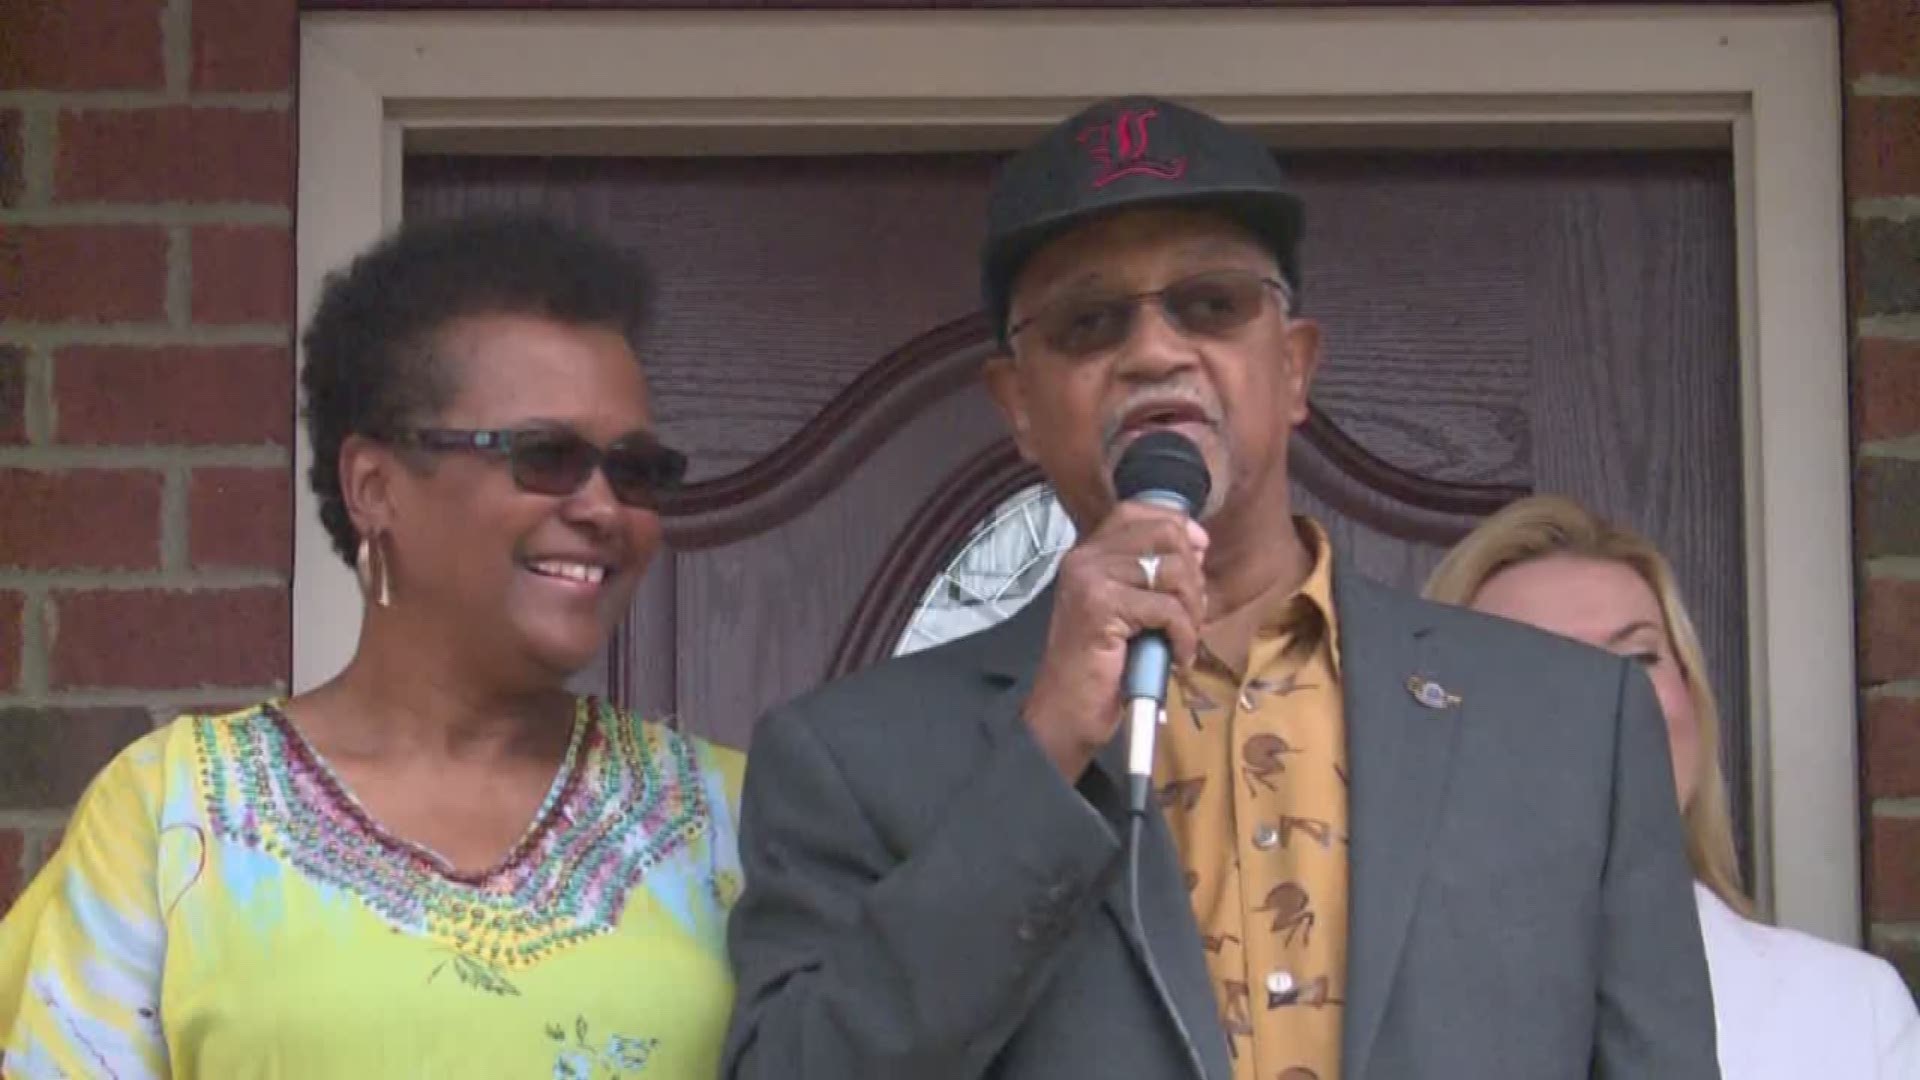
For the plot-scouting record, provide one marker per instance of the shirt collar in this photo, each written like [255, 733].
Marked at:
[1282, 608]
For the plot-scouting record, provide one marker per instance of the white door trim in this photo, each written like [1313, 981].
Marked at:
[1764, 80]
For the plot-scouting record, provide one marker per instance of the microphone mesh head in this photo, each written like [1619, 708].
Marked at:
[1163, 461]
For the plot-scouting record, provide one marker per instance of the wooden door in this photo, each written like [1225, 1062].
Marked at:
[1496, 324]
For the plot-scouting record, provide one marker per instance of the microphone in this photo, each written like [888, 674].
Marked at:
[1160, 468]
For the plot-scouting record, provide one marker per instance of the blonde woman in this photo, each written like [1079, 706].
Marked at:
[1785, 1004]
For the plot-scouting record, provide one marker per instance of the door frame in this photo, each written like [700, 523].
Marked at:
[1764, 81]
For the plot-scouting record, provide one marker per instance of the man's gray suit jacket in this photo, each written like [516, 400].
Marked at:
[927, 898]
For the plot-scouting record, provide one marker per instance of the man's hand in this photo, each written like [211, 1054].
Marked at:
[1102, 598]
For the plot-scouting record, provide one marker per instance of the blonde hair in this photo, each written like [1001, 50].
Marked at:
[1549, 525]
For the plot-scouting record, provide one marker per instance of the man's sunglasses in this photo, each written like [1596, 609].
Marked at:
[1211, 305]
[557, 461]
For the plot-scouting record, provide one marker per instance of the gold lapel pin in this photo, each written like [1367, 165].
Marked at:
[1430, 693]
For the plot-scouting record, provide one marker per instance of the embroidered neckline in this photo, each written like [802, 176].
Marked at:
[629, 797]
[303, 754]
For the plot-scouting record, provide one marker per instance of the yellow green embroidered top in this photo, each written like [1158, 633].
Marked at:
[221, 907]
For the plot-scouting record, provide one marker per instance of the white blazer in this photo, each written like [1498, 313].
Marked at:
[1788, 1005]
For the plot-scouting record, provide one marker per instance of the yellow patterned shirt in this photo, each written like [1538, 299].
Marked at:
[221, 907]
[1252, 780]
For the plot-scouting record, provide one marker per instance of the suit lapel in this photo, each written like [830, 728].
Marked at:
[1166, 914]
[1399, 754]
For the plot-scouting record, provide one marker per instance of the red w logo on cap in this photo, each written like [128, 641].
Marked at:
[1121, 147]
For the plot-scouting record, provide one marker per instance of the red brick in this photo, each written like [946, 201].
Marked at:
[80, 45]
[80, 518]
[1883, 147]
[1887, 389]
[243, 274]
[243, 44]
[217, 395]
[12, 157]
[177, 154]
[1890, 631]
[1882, 37]
[1886, 499]
[48, 755]
[13, 394]
[171, 640]
[1893, 872]
[241, 517]
[1886, 263]
[88, 273]
[13, 845]
[13, 613]
[1890, 750]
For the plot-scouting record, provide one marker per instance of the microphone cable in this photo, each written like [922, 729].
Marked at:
[1165, 469]
[1136, 821]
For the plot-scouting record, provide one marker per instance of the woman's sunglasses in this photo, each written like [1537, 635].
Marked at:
[1210, 305]
[557, 461]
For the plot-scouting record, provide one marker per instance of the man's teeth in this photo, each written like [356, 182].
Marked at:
[581, 572]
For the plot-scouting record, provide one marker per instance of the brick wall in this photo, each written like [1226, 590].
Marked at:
[1882, 63]
[146, 295]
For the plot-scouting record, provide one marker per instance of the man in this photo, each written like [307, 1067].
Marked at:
[933, 849]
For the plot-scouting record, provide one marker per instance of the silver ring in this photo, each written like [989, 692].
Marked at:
[1150, 566]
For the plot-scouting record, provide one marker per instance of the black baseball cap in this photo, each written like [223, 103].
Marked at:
[1131, 152]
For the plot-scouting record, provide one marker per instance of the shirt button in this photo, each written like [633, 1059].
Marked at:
[1281, 990]
[1265, 836]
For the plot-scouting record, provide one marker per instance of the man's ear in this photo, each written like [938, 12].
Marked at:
[1009, 392]
[1302, 362]
[366, 484]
